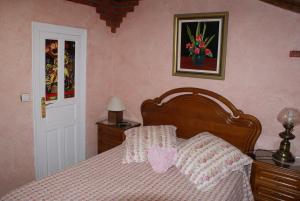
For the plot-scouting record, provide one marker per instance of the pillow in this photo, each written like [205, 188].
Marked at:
[161, 159]
[206, 159]
[140, 139]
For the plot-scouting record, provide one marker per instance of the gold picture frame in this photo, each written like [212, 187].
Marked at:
[199, 45]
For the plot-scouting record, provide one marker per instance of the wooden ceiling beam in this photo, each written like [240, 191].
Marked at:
[86, 2]
[292, 5]
[112, 11]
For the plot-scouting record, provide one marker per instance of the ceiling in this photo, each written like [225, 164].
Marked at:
[113, 11]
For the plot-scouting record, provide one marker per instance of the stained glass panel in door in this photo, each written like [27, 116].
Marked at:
[69, 69]
[51, 69]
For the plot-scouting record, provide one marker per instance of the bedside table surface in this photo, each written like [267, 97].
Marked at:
[266, 157]
[126, 124]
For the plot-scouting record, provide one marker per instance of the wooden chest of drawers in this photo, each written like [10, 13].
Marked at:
[271, 182]
[110, 136]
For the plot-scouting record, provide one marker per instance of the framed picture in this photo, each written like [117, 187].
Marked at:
[200, 45]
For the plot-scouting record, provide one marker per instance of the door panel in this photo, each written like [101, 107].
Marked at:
[58, 76]
[53, 163]
[70, 146]
[60, 115]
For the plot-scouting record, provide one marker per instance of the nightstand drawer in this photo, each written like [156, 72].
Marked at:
[110, 136]
[274, 182]
[264, 193]
[277, 177]
[104, 146]
[108, 140]
[111, 133]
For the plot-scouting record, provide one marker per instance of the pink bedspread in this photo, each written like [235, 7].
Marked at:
[104, 177]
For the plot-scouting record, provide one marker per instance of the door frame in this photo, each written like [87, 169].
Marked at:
[38, 28]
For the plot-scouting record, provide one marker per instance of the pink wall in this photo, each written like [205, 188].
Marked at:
[260, 78]
[135, 64]
[16, 129]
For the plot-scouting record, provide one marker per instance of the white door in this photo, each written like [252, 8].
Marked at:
[59, 62]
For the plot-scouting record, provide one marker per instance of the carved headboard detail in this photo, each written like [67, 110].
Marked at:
[194, 110]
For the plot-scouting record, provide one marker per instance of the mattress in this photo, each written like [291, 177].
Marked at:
[104, 178]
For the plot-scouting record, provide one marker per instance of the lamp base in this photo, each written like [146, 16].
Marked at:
[115, 117]
[283, 156]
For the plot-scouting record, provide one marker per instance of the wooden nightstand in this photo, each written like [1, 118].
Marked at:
[110, 135]
[273, 182]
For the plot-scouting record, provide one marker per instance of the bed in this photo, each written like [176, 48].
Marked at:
[104, 177]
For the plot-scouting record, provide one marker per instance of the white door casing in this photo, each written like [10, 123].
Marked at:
[59, 138]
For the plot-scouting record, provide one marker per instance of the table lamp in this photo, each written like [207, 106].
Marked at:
[115, 109]
[289, 117]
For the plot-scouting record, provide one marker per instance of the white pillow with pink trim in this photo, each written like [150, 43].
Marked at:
[206, 159]
[140, 139]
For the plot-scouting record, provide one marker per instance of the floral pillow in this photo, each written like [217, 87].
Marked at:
[140, 139]
[206, 159]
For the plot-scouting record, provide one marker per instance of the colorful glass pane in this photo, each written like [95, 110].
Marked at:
[69, 70]
[51, 68]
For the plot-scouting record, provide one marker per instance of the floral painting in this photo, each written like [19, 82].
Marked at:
[200, 45]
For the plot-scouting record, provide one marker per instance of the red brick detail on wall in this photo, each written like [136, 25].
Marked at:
[111, 11]
[295, 53]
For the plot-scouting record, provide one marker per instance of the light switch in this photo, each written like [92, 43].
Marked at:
[25, 97]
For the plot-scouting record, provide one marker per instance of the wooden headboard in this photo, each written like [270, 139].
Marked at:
[194, 110]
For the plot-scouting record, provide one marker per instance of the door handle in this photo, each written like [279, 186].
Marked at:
[48, 104]
[43, 106]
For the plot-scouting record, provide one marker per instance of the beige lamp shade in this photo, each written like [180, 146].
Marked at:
[289, 116]
[115, 104]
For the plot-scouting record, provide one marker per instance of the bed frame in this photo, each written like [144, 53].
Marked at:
[194, 110]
